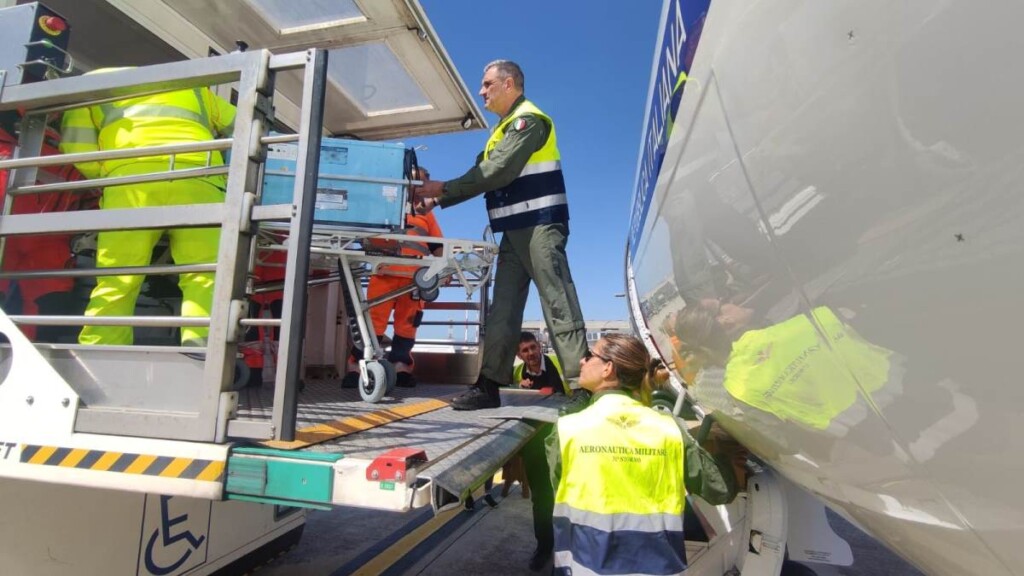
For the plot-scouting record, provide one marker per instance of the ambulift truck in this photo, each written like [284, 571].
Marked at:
[146, 459]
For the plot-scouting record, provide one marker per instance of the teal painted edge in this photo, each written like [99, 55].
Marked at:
[288, 480]
[290, 454]
[246, 476]
[244, 498]
[305, 481]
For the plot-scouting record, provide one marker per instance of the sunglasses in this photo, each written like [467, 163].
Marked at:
[590, 354]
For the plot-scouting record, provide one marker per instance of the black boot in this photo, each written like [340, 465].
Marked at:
[579, 400]
[401, 358]
[539, 559]
[351, 380]
[482, 395]
[401, 350]
[405, 380]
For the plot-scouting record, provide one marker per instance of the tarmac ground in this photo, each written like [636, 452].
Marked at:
[485, 540]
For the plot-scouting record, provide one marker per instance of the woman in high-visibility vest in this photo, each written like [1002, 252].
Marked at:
[619, 471]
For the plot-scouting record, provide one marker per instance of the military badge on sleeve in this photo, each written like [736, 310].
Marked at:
[517, 125]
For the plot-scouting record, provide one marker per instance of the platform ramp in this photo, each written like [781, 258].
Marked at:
[441, 454]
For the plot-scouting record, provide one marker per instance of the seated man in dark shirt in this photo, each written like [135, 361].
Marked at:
[537, 370]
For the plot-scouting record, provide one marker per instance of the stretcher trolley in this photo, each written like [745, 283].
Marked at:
[362, 197]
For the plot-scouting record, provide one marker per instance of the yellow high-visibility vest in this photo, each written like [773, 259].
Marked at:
[537, 195]
[622, 490]
[195, 115]
[518, 369]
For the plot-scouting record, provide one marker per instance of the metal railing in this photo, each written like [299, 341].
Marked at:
[169, 393]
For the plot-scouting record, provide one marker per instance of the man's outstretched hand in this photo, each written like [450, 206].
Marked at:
[430, 189]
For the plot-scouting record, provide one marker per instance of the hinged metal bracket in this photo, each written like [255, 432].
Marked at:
[239, 309]
[265, 106]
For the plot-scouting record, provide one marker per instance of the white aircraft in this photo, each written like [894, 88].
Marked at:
[827, 245]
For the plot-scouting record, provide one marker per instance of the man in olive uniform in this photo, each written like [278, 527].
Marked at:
[520, 171]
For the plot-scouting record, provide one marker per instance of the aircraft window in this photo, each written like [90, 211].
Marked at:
[375, 80]
[290, 17]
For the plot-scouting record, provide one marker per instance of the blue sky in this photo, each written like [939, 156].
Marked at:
[588, 65]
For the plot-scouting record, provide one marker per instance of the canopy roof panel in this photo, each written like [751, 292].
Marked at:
[390, 76]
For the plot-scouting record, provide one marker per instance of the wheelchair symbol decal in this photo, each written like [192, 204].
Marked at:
[160, 559]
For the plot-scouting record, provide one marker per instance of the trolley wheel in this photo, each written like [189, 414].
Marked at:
[421, 281]
[375, 386]
[663, 405]
[390, 374]
[430, 295]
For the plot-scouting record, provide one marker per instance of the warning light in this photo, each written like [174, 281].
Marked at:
[52, 25]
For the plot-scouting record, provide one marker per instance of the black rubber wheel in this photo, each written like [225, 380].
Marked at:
[422, 282]
[376, 385]
[430, 295]
[663, 405]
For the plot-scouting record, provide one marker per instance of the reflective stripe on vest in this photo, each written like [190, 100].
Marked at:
[154, 120]
[204, 116]
[416, 248]
[112, 113]
[410, 247]
[650, 523]
[541, 167]
[622, 490]
[79, 135]
[523, 207]
[537, 195]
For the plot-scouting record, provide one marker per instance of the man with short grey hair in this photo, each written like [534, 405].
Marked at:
[520, 170]
[508, 69]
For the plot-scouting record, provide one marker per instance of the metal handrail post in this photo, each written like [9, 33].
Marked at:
[229, 302]
[300, 236]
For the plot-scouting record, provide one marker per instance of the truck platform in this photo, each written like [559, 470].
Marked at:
[420, 449]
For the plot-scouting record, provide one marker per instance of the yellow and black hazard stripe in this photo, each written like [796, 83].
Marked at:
[325, 431]
[123, 462]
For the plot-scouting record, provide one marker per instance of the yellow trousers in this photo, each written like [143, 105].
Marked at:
[116, 295]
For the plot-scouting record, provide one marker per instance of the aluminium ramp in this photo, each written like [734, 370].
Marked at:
[462, 449]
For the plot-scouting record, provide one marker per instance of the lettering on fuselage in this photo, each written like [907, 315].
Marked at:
[679, 28]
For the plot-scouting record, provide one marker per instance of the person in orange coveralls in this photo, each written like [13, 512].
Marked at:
[408, 312]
